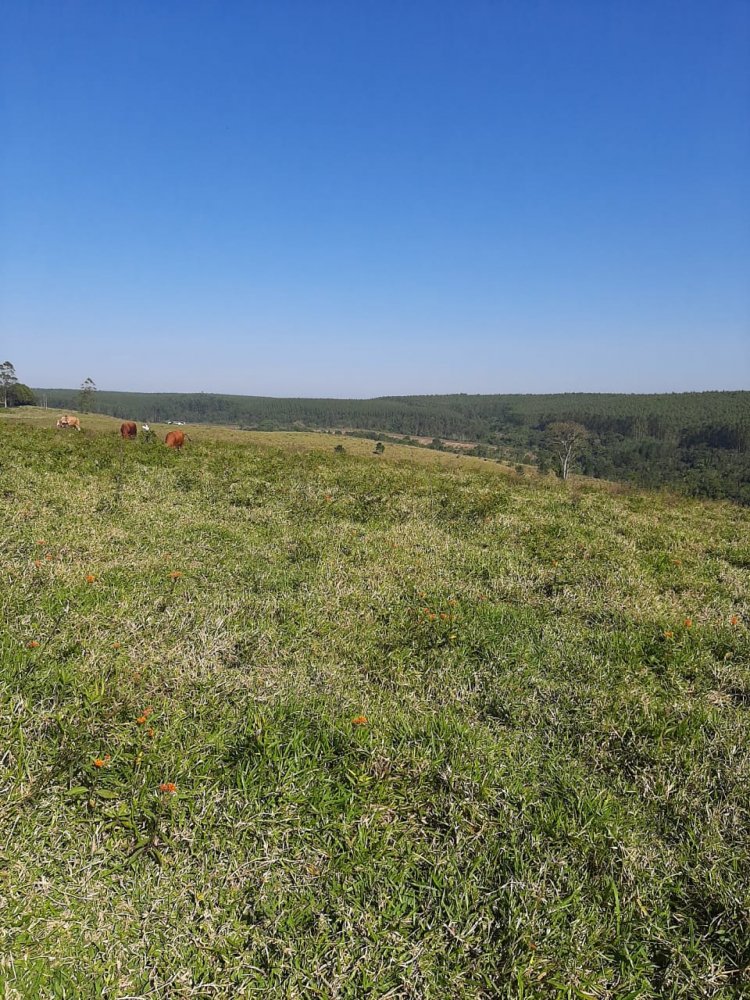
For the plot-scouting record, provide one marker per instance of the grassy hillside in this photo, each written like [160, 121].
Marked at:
[281, 722]
[694, 442]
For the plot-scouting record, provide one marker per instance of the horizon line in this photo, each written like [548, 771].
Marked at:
[397, 395]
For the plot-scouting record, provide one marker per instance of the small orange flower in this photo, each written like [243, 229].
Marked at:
[444, 616]
[41, 541]
[359, 720]
[175, 574]
[116, 645]
[432, 616]
[152, 732]
[33, 644]
[49, 557]
[688, 623]
[141, 720]
[677, 562]
[734, 620]
[90, 578]
[98, 762]
[37, 563]
[168, 787]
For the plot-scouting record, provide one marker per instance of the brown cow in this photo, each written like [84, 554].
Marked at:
[67, 421]
[128, 429]
[175, 439]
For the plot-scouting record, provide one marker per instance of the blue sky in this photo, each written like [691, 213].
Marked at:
[352, 199]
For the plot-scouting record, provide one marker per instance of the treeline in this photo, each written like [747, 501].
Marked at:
[697, 442]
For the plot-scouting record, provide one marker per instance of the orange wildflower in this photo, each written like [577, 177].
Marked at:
[444, 616]
[33, 644]
[90, 578]
[116, 645]
[98, 762]
[37, 563]
[175, 574]
[688, 623]
[734, 620]
[48, 557]
[141, 720]
[677, 562]
[359, 720]
[168, 787]
[152, 732]
[41, 541]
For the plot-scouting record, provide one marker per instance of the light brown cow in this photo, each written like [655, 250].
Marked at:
[128, 429]
[68, 422]
[175, 439]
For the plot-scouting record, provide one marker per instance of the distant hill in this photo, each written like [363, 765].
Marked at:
[698, 442]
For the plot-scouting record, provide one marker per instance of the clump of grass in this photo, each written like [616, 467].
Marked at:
[276, 723]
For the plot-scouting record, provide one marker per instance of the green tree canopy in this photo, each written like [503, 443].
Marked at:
[7, 380]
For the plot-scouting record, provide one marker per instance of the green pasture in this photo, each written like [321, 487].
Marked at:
[282, 722]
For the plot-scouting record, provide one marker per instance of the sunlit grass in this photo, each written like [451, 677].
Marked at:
[281, 722]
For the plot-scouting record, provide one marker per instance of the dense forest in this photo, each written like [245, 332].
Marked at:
[697, 442]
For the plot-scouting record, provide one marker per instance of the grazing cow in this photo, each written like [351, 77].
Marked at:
[68, 421]
[175, 439]
[128, 429]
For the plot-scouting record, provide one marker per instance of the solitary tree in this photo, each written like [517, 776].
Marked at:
[565, 438]
[379, 448]
[86, 395]
[7, 379]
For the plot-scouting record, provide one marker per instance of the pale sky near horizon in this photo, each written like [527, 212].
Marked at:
[320, 198]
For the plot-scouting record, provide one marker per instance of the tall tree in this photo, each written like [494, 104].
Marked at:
[7, 379]
[86, 395]
[565, 438]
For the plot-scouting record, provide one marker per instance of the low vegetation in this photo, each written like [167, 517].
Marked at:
[284, 722]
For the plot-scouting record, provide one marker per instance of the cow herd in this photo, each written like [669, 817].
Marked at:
[128, 431]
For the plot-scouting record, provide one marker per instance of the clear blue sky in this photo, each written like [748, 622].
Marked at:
[328, 197]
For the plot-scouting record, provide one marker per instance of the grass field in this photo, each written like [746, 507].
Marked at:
[280, 722]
